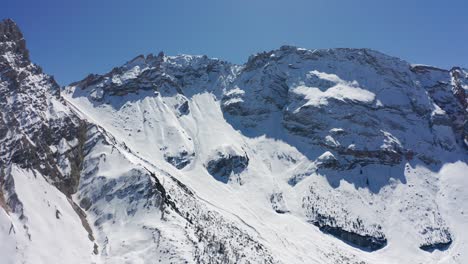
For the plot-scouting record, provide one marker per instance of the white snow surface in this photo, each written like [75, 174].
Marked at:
[341, 90]
[298, 115]
[404, 199]
[49, 232]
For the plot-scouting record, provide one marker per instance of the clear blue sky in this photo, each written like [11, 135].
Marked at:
[70, 39]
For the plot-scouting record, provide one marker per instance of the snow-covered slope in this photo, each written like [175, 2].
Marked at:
[298, 156]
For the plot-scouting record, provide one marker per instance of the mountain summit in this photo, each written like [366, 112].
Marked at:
[11, 39]
[296, 156]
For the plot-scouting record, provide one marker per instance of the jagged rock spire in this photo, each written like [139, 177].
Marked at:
[11, 39]
[15, 63]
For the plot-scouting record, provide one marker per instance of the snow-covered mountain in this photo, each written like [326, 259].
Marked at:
[297, 156]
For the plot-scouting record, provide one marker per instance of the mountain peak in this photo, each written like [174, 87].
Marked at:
[9, 30]
[11, 39]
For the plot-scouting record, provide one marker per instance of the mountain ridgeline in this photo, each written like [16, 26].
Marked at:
[296, 156]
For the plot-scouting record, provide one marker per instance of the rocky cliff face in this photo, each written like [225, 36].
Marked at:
[38, 131]
[448, 90]
[297, 156]
[40, 137]
[350, 110]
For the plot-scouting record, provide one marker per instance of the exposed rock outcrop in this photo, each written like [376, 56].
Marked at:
[226, 163]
